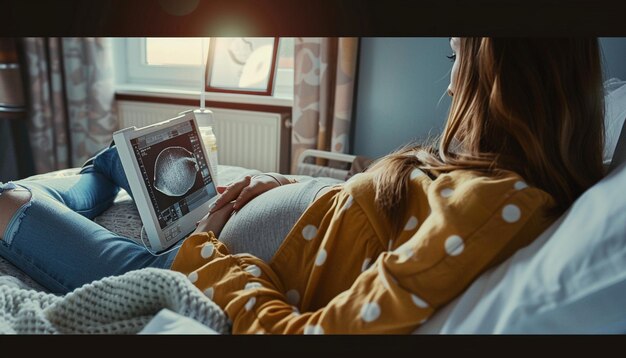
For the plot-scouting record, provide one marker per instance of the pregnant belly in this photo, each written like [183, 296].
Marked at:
[261, 225]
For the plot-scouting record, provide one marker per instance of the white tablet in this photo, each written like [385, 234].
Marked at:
[170, 176]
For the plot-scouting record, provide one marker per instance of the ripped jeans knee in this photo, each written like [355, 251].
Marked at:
[61, 249]
[14, 204]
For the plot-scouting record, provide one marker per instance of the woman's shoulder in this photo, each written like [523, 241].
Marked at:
[457, 178]
[475, 186]
[478, 178]
[360, 185]
[459, 185]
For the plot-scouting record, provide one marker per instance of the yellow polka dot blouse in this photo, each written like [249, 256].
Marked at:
[339, 270]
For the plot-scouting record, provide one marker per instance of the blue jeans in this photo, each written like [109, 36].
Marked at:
[53, 239]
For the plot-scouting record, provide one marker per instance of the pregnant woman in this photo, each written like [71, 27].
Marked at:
[381, 252]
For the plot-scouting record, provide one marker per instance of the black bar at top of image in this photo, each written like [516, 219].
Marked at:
[312, 18]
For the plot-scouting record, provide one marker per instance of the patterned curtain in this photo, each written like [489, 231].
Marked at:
[324, 75]
[71, 99]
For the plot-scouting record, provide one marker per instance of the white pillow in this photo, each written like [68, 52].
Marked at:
[615, 113]
[170, 322]
[571, 279]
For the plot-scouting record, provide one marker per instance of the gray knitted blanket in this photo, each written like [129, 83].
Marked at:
[114, 305]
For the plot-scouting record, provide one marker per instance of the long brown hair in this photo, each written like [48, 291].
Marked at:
[532, 106]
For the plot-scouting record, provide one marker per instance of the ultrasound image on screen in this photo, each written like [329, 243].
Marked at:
[174, 170]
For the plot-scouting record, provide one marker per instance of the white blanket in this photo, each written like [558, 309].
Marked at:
[114, 305]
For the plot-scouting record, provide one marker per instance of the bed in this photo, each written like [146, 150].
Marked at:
[123, 218]
[571, 279]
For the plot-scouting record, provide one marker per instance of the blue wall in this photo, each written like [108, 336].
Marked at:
[400, 86]
[614, 56]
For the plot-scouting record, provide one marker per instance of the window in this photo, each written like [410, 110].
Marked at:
[167, 51]
[174, 64]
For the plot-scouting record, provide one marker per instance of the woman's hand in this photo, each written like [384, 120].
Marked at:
[246, 189]
[215, 221]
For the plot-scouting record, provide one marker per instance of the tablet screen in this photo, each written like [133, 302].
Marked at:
[174, 170]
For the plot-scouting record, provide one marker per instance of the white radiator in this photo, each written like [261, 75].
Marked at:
[244, 138]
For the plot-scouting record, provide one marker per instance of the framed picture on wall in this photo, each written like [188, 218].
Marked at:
[245, 65]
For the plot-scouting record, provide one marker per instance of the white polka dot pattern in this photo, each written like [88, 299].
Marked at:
[366, 263]
[454, 245]
[511, 213]
[370, 312]
[316, 329]
[193, 277]
[309, 232]
[254, 270]
[207, 251]
[321, 258]
[519, 185]
[418, 301]
[411, 224]
[416, 173]
[293, 297]
[250, 304]
[446, 193]
[252, 286]
[209, 292]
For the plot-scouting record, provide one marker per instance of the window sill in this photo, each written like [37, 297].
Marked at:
[187, 94]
